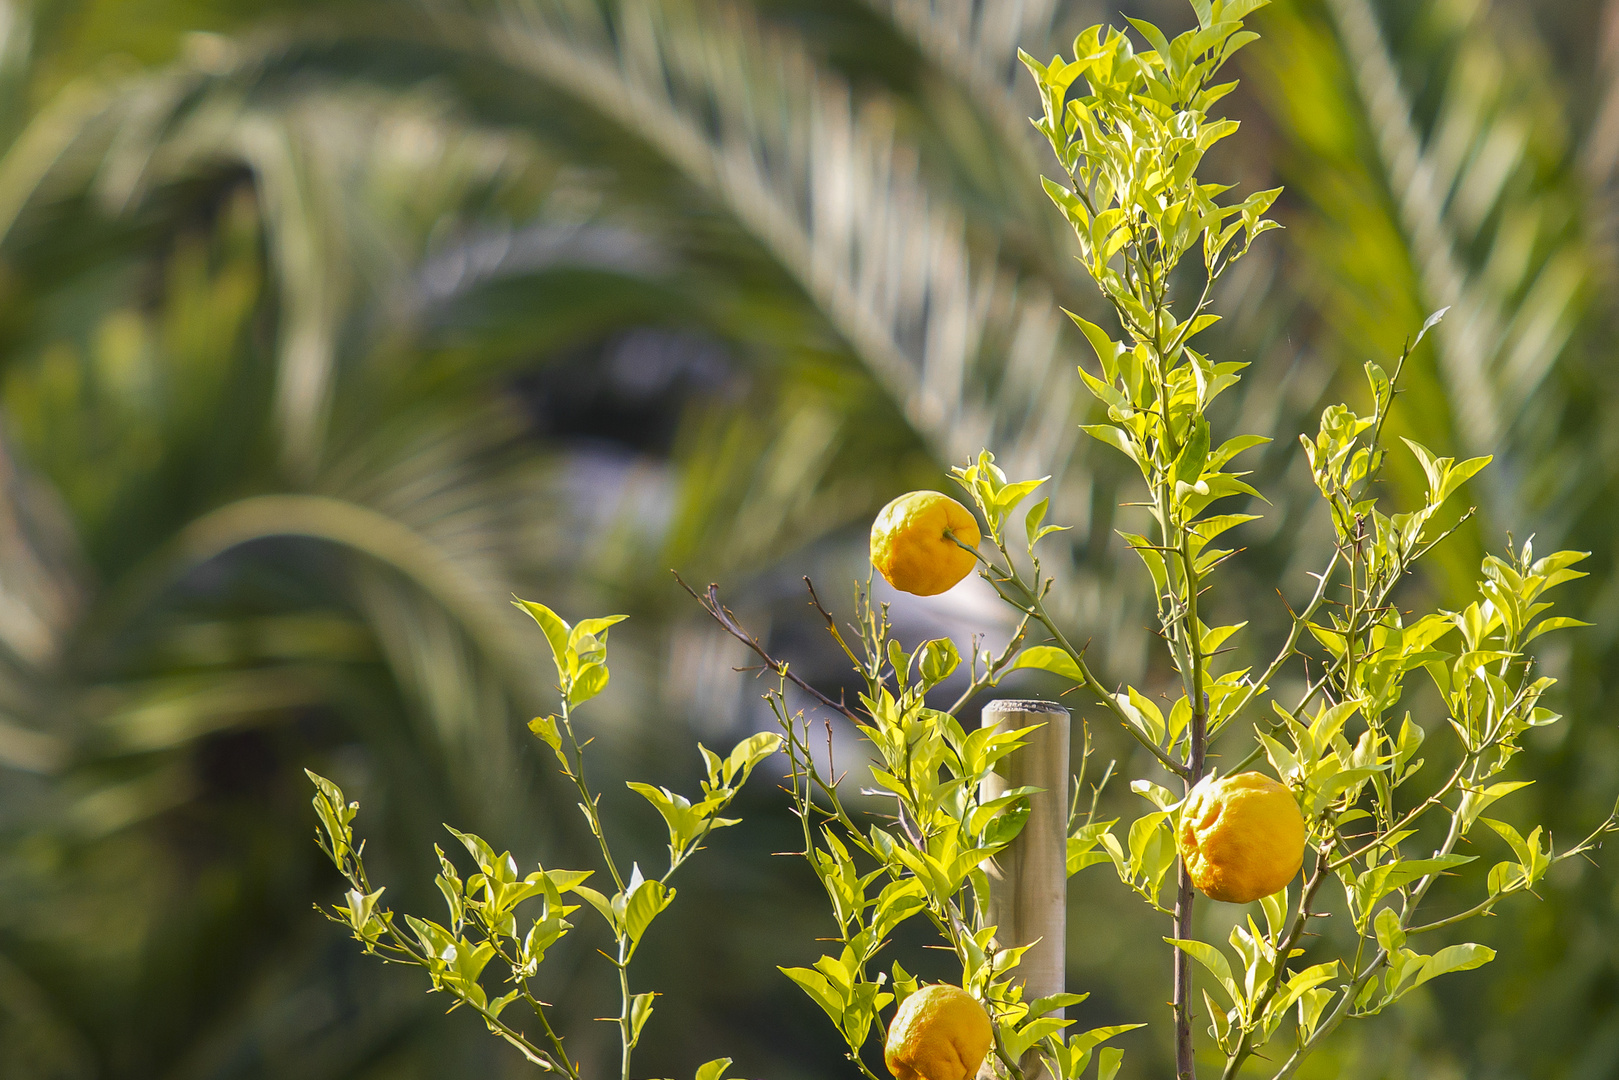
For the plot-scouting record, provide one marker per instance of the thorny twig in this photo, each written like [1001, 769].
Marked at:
[710, 601]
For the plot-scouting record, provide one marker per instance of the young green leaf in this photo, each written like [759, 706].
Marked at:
[555, 629]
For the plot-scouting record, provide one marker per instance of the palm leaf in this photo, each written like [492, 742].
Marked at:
[786, 150]
[1483, 205]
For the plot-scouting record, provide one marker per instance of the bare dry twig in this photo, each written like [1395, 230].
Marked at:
[710, 601]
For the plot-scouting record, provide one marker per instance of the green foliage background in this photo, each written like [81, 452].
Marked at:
[325, 327]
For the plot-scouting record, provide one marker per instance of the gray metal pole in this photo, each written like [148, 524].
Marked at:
[1028, 889]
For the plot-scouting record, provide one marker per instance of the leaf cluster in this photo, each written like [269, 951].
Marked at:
[1129, 128]
[484, 924]
[929, 858]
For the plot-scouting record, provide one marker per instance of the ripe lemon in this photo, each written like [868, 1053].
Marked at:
[940, 1032]
[1242, 837]
[909, 546]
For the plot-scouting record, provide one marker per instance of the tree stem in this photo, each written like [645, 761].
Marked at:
[1185, 1064]
[1197, 740]
[626, 1038]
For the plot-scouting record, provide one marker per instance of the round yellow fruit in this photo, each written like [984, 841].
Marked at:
[911, 543]
[1242, 837]
[940, 1032]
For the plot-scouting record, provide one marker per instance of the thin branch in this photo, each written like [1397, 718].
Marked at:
[710, 601]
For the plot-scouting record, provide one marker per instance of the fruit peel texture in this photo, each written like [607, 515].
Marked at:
[940, 1032]
[911, 544]
[1242, 837]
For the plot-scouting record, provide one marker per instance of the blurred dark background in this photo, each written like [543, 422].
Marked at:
[327, 325]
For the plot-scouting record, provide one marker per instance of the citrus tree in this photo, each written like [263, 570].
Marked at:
[1351, 796]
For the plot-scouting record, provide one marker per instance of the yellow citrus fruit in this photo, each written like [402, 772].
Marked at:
[1242, 837]
[940, 1032]
[909, 546]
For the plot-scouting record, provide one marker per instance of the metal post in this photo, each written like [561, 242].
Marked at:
[1028, 890]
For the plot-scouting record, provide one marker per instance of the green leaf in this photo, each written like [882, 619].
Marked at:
[747, 754]
[713, 1070]
[1155, 37]
[640, 1013]
[336, 817]
[1432, 321]
[1506, 876]
[362, 906]
[1152, 851]
[820, 990]
[1382, 390]
[1409, 742]
[1275, 907]
[1377, 882]
[434, 939]
[567, 881]
[1212, 959]
[940, 657]
[1004, 827]
[898, 901]
[483, 854]
[546, 728]
[1312, 1003]
[1215, 638]
[1042, 1005]
[555, 630]
[900, 662]
[1049, 658]
[1031, 524]
[579, 637]
[603, 906]
[1114, 437]
[1157, 794]
[1208, 528]
[864, 998]
[684, 820]
[1144, 712]
[905, 984]
[645, 900]
[1107, 350]
[1463, 957]
[1459, 474]
[1194, 455]
[1106, 393]
[1477, 800]
[1234, 446]
[1390, 934]
[542, 935]
[1557, 622]
[1031, 1032]
[1534, 860]
[1320, 795]
[1007, 499]
[1083, 845]
[1281, 759]
[1084, 1040]
[1152, 557]
[497, 1006]
[1301, 983]
[1554, 567]
[590, 681]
